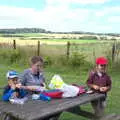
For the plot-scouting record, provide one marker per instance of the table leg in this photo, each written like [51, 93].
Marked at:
[77, 110]
[98, 106]
[56, 117]
[53, 117]
[4, 116]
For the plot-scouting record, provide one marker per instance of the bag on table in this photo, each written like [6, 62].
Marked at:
[55, 93]
[68, 90]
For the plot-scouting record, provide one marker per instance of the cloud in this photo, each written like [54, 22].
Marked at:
[108, 11]
[89, 1]
[60, 2]
[57, 16]
[114, 19]
[52, 18]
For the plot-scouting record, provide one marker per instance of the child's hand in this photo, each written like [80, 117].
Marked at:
[103, 89]
[15, 94]
[11, 84]
[18, 85]
[96, 87]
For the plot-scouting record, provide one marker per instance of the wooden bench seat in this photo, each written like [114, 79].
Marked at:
[112, 116]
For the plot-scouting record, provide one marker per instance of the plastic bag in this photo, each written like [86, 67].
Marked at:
[56, 82]
[68, 90]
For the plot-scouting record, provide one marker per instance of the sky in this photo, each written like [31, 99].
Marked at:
[100, 16]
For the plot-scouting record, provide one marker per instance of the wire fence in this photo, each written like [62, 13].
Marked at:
[90, 50]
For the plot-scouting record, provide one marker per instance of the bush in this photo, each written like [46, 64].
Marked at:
[15, 56]
[47, 60]
[77, 59]
[11, 56]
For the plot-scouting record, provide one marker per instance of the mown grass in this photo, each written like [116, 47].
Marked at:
[72, 75]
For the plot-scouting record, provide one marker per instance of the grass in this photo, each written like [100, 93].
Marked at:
[72, 75]
[56, 48]
[29, 41]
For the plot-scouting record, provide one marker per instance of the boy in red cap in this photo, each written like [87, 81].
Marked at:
[100, 82]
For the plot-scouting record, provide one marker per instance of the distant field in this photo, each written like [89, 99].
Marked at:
[50, 38]
[29, 41]
[55, 47]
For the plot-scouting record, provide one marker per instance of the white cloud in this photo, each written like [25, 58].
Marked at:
[52, 18]
[57, 16]
[114, 19]
[89, 1]
[108, 11]
[60, 2]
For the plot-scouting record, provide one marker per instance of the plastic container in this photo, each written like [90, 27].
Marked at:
[44, 97]
[18, 101]
[35, 97]
[41, 96]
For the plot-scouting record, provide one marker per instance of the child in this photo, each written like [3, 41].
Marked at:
[12, 90]
[100, 82]
[32, 78]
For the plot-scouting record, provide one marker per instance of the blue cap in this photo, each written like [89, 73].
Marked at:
[11, 74]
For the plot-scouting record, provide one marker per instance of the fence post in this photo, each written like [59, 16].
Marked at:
[68, 49]
[113, 51]
[94, 55]
[38, 48]
[14, 44]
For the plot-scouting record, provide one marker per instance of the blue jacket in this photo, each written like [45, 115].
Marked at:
[8, 91]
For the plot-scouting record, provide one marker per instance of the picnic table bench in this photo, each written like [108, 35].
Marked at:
[40, 110]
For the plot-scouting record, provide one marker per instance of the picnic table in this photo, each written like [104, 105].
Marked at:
[40, 110]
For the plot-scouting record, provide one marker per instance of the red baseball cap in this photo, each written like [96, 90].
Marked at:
[101, 61]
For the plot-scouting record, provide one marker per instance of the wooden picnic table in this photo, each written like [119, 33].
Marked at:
[39, 110]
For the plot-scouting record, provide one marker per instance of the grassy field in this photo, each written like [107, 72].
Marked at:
[73, 75]
[55, 50]
[90, 48]
[29, 41]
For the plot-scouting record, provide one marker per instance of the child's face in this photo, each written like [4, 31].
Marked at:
[12, 81]
[101, 68]
[37, 67]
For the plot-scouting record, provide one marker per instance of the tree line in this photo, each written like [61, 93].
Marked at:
[23, 30]
[40, 30]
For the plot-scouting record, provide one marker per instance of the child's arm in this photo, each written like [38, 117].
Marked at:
[33, 88]
[7, 94]
[9, 90]
[90, 81]
[104, 89]
[22, 93]
[95, 87]
[108, 85]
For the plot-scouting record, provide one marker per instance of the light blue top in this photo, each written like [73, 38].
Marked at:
[30, 79]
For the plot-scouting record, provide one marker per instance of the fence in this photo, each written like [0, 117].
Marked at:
[90, 50]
